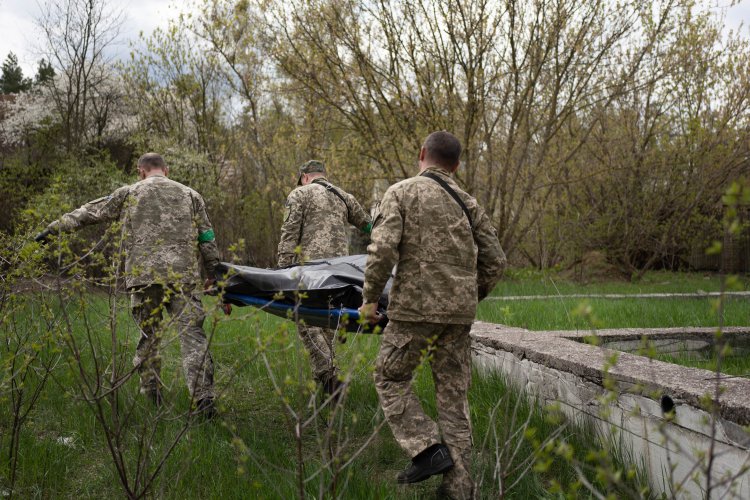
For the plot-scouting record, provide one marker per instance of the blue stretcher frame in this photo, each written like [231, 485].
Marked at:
[276, 307]
[342, 318]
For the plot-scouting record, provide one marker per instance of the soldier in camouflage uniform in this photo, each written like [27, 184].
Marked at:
[448, 257]
[164, 226]
[316, 218]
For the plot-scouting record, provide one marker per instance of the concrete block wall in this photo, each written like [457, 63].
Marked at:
[556, 367]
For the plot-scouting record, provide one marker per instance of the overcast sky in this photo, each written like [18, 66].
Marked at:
[19, 34]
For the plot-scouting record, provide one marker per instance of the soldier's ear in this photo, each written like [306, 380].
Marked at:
[166, 171]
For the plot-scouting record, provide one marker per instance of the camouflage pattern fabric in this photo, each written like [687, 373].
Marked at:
[164, 223]
[404, 346]
[443, 269]
[319, 344]
[164, 227]
[316, 220]
[186, 311]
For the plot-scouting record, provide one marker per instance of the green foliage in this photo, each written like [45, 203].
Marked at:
[44, 73]
[625, 153]
[28, 349]
[12, 80]
[26, 171]
[74, 182]
[251, 446]
[19, 181]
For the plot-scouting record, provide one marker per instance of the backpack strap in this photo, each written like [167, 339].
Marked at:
[453, 194]
[330, 188]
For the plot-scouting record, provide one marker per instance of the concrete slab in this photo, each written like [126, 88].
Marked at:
[559, 367]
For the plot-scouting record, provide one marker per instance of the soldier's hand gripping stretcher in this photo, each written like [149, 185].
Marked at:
[368, 312]
[210, 288]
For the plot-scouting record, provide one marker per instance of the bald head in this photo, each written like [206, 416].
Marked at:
[152, 164]
[441, 149]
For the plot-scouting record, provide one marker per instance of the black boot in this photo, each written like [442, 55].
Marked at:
[154, 395]
[205, 409]
[434, 460]
[333, 387]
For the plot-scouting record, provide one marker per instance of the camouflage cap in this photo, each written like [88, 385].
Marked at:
[309, 167]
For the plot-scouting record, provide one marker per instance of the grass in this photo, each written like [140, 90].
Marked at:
[249, 450]
[735, 365]
[561, 313]
[578, 314]
[533, 282]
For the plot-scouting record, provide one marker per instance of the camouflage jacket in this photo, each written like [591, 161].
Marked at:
[164, 224]
[316, 219]
[443, 265]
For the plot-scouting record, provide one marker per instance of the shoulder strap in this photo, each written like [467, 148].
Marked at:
[451, 192]
[329, 187]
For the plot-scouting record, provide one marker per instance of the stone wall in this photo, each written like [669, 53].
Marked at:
[558, 367]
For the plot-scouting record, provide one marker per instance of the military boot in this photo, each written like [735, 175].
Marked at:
[434, 460]
[205, 409]
[333, 387]
[153, 394]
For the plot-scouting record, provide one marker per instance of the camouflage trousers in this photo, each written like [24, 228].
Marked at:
[186, 311]
[319, 344]
[403, 347]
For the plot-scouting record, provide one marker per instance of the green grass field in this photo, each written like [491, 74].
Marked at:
[734, 365]
[532, 282]
[561, 313]
[573, 314]
[250, 450]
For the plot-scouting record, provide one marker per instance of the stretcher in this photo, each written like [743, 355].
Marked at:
[325, 293]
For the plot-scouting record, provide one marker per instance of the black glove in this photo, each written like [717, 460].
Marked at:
[43, 236]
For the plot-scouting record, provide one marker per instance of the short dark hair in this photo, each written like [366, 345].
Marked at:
[150, 161]
[443, 148]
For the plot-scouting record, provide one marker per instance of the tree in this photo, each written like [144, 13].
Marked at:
[586, 125]
[45, 73]
[509, 78]
[12, 80]
[77, 34]
[175, 83]
[646, 187]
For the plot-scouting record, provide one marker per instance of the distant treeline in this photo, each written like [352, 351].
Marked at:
[588, 126]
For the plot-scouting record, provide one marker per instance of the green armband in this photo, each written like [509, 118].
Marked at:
[367, 229]
[206, 236]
